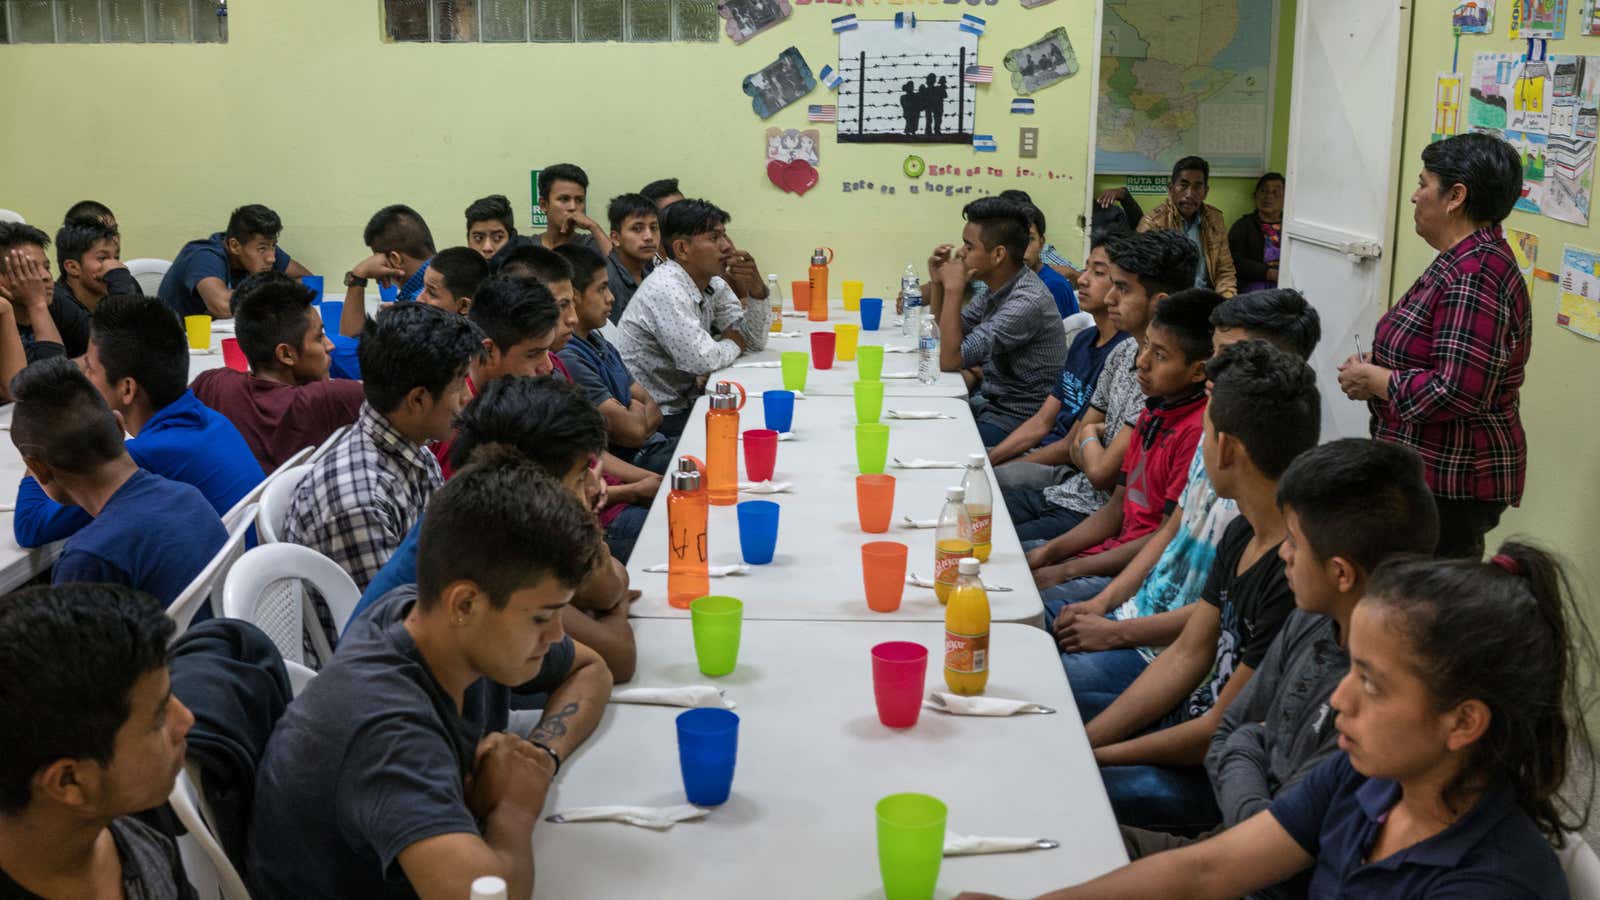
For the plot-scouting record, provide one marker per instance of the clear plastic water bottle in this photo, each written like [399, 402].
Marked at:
[927, 349]
[911, 301]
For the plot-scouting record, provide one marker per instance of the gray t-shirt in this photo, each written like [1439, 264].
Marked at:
[151, 868]
[1119, 396]
[369, 760]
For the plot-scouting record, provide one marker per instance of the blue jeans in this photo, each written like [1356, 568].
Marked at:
[1036, 518]
[623, 532]
[1166, 798]
[1097, 679]
[656, 454]
[995, 427]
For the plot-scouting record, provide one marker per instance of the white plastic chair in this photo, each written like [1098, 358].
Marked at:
[1582, 866]
[149, 272]
[250, 500]
[275, 500]
[208, 867]
[264, 587]
[325, 446]
[205, 585]
[9, 215]
[1075, 323]
[299, 676]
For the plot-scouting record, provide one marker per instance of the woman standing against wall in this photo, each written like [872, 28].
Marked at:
[1447, 360]
[1256, 238]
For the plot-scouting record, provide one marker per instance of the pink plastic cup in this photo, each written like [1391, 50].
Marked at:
[233, 356]
[822, 344]
[899, 671]
[760, 453]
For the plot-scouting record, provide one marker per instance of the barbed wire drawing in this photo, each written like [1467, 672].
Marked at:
[906, 85]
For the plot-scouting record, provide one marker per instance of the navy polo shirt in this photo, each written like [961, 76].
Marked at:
[197, 261]
[1494, 851]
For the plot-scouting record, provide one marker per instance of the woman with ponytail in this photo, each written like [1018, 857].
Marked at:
[1457, 722]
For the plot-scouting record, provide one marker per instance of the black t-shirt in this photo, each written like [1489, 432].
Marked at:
[369, 760]
[151, 869]
[1254, 605]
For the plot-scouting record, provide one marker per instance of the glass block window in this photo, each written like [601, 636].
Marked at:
[551, 21]
[113, 22]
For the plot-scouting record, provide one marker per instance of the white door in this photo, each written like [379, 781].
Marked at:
[1344, 164]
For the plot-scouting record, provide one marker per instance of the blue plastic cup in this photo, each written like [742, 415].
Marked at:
[388, 293]
[871, 313]
[332, 311]
[758, 531]
[314, 282]
[708, 743]
[779, 409]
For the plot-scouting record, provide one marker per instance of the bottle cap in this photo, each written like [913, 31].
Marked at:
[687, 477]
[976, 460]
[488, 887]
[772, 276]
[724, 398]
[967, 566]
[818, 257]
[955, 492]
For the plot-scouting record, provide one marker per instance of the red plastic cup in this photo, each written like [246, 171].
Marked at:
[232, 356]
[883, 570]
[874, 502]
[822, 344]
[760, 453]
[899, 671]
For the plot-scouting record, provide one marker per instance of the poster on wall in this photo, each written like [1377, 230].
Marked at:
[1042, 63]
[1589, 18]
[1525, 248]
[779, 83]
[1539, 19]
[1579, 309]
[1570, 138]
[1446, 106]
[905, 85]
[1489, 93]
[1474, 17]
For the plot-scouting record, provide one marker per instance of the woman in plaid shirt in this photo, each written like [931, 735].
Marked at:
[1447, 360]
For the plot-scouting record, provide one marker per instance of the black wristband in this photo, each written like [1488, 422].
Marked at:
[553, 755]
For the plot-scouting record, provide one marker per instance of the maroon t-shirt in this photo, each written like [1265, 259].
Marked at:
[278, 420]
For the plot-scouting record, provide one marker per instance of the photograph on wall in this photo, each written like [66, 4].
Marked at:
[1042, 63]
[748, 18]
[905, 85]
[1539, 19]
[1474, 17]
[779, 83]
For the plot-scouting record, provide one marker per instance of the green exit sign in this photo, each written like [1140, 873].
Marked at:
[536, 219]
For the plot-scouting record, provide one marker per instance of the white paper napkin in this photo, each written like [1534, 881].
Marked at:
[917, 414]
[222, 326]
[913, 578]
[898, 376]
[765, 487]
[957, 705]
[898, 349]
[920, 463]
[782, 436]
[694, 695]
[713, 571]
[758, 365]
[793, 314]
[972, 845]
[205, 352]
[785, 334]
[658, 817]
[908, 522]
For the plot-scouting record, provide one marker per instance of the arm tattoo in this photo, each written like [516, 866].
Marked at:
[553, 725]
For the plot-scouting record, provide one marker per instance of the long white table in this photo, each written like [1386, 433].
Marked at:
[814, 759]
[816, 571]
[837, 381]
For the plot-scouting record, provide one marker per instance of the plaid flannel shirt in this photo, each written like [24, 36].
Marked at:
[1457, 343]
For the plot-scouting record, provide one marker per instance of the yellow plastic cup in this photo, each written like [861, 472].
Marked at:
[852, 294]
[199, 331]
[846, 335]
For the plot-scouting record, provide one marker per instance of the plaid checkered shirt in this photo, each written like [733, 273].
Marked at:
[1457, 344]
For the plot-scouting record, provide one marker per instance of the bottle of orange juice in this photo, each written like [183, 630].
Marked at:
[966, 632]
[951, 542]
[980, 504]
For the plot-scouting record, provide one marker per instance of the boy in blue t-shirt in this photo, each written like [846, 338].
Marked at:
[148, 533]
[202, 277]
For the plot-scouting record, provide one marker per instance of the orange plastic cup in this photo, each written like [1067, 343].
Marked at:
[874, 502]
[801, 292]
[883, 568]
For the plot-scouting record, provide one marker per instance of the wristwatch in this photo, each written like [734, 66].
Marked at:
[350, 280]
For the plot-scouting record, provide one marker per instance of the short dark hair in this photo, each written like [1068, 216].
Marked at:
[1186, 315]
[1191, 164]
[1016, 195]
[493, 208]
[15, 234]
[624, 206]
[1488, 167]
[142, 338]
[1001, 223]
[462, 268]
[269, 309]
[87, 209]
[1163, 261]
[687, 218]
[511, 310]
[69, 658]
[1267, 179]
[1279, 315]
[1361, 500]
[61, 420]
[1267, 399]
[549, 175]
[398, 229]
[504, 525]
[542, 263]
[550, 422]
[412, 345]
[78, 237]
[1106, 235]
[254, 220]
[661, 187]
[583, 263]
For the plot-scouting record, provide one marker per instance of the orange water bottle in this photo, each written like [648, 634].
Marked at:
[980, 505]
[722, 444]
[819, 284]
[687, 575]
[966, 632]
[951, 543]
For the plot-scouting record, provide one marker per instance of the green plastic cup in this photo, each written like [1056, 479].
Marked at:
[872, 448]
[716, 622]
[796, 363]
[869, 401]
[869, 362]
[910, 845]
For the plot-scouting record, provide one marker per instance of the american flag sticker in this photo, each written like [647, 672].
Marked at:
[830, 77]
[978, 75]
[842, 24]
[818, 113]
[1022, 106]
[972, 24]
[984, 143]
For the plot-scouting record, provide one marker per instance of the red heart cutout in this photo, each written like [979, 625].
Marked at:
[775, 173]
[799, 176]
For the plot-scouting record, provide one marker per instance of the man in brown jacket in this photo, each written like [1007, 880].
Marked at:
[1185, 210]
